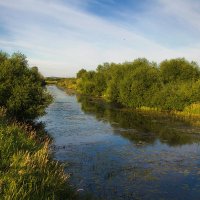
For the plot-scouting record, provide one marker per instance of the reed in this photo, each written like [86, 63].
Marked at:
[27, 170]
[193, 109]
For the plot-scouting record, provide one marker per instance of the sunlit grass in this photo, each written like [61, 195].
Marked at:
[27, 170]
[190, 114]
[145, 108]
[192, 109]
[50, 82]
[68, 83]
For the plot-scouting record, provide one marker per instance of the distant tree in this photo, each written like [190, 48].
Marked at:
[81, 73]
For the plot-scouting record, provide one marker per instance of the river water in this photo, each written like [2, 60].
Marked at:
[115, 154]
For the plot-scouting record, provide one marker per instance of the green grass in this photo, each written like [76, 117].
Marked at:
[27, 170]
[192, 109]
[51, 82]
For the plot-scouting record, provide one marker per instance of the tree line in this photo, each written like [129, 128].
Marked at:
[171, 85]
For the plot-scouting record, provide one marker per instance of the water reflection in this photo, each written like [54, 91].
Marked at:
[123, 155]
[142, 128]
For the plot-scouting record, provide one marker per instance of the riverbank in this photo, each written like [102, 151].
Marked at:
[27, 169]
[170, 86]
[114, 154]
[190, 114]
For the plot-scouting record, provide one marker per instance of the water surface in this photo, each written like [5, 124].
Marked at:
[114, 154]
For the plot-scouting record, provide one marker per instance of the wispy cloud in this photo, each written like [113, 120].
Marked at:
[60, 37]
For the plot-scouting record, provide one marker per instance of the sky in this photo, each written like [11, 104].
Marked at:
[61, 37]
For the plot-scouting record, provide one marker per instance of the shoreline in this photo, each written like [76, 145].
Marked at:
[179, 114]
[26, 159]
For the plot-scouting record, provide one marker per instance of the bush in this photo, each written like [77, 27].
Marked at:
[172, 85]
[22, 90]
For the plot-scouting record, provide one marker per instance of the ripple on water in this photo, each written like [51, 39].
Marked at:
[123, 155]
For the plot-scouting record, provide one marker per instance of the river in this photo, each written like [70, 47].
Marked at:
[114, 154]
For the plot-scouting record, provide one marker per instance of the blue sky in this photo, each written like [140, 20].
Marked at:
[63, 36]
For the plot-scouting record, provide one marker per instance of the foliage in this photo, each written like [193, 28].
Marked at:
[138, 85]
[192, 109]
[69, 83]
[81, 73]
[172, 85]
[179, 70]
[143, 126]
[52, 80]
[26, 169]
[22, 90]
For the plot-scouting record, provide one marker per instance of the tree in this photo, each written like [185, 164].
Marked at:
[178, 70]
[171, 86]
[81, 73]
[21, 88]
[138, 85]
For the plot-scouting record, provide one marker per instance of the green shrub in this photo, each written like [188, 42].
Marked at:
[172, 85]
[22, 90]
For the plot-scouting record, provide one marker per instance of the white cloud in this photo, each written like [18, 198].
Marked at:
[185, 10]
[60, 38]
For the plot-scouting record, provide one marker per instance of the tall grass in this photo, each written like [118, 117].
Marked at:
[27, 170]
[192, 109]
[190, 114]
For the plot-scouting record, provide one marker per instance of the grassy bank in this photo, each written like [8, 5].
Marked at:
[190, 113]
[69, 83]
[172, 85]
[27, 170]
[192, 110]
